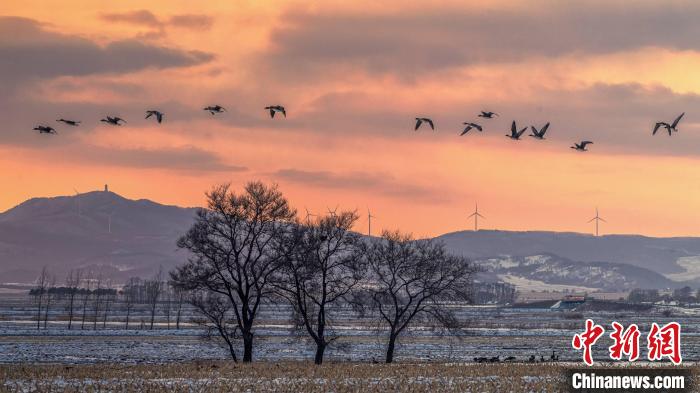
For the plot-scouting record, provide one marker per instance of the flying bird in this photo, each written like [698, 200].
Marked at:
[115, 121]
[539, 134]
[669, 127]
[45, 130]
[158, 114]
[514, 133]
[276, 108]
[469, 126]
[73, 123]
[215, 109]
[488, 115]
[420, 120]
[581, 146]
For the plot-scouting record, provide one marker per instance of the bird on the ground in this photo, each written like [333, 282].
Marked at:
[420, 120]
[45, 130]
[509, 359]
[669, 127]
[158, 114]
[539, 134]
[73, 123]
[115, 121]
[215, 109]
[488, 115]
[276, 108]
[531, 359]
[469, 126]
[581, 146]
[514, 133]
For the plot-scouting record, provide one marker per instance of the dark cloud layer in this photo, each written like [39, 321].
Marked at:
[410, 43]
[27, 51]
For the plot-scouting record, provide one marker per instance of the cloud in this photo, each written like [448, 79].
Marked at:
[378, 182]
[416, 42]
[187, 158]
[191, 21]
[157, 25]
[137, 17]
[28, 51]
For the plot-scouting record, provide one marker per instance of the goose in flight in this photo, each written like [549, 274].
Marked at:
[488, 115]
[73, 123]
[45, 130]
[669, 127]
[158, 114]
[469, 126]
[215, 109]
[514, 133]
[276, 108]
[581, 146]
[115, 121]
[420, 120]
[539, 134]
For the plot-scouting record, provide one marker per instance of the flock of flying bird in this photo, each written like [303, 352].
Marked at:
[515, 131]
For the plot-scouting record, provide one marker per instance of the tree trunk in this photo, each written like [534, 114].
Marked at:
[320, 348]
[128, 312]
[390, 348]
[247, 347]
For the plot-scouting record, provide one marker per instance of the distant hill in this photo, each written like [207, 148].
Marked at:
[74, 231]
[661, 255]
[540, 271]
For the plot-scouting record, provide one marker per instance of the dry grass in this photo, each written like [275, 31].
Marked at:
[284, 377]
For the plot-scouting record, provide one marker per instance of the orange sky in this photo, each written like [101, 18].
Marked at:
[352, 86]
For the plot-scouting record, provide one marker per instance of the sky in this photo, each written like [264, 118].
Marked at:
[353, 76]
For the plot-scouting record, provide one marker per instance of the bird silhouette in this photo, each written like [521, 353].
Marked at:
[469, 126]
[158, 114]
[669, 127]
[539, 134]
[420, 120]
[215, 109]
[581, 146]
[514, 133]
[45, 130]
[276, 108]
[115, 121]
[488, 115]
[73, 123]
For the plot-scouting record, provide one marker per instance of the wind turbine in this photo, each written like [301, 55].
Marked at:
[332, 213]
[309, 214]
[597, 219]
[476, 216]
[369, 223]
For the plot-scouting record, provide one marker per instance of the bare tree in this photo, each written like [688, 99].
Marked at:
[414, 280]
[50, 294]
[153, 289]
[109, 294]
[234, 250]
[179, 296]
[72, 284]
[98, 299]
[217, 311]
[323, 265]
[40, 289]
[86, 298]
[130, 295]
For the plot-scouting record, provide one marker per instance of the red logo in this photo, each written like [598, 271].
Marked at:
[626, 342]
[665, 342]
[587, 339]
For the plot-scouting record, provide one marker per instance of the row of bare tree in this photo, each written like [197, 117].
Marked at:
[249, 248]
[88, 298]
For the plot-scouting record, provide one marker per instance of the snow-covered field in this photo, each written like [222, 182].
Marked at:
[492, 331]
